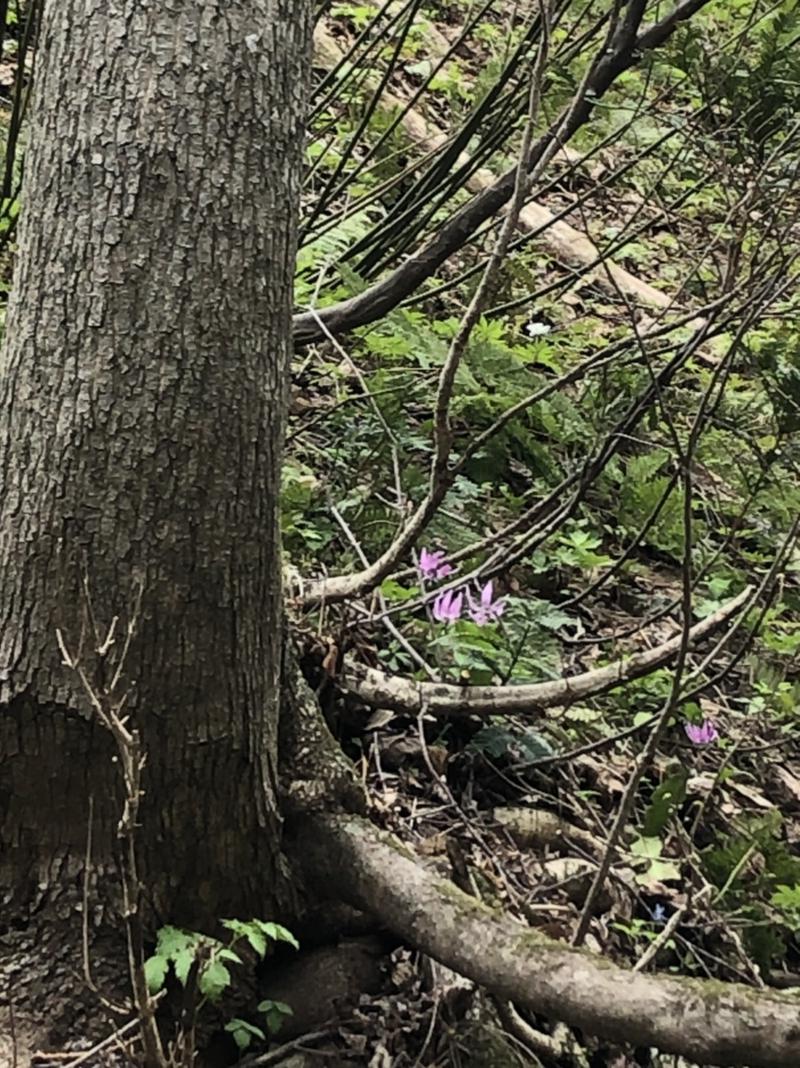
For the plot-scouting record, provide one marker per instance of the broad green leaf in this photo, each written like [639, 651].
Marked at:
[155, 972]
[666, 798]
[646, 847]
[274, 1012]
[172, 940]
[225, 953]
[278, 933]
[659, 871]
[182, 962]
[243, 1032]
[214, 979]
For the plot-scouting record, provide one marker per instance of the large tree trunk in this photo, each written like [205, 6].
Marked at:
[142, 397]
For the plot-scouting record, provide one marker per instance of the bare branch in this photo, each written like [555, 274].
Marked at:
[379, 299]
[656, 34]
[442, 476]
[377, 689]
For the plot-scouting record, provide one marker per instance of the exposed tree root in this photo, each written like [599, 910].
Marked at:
[377, 689]
[708, 1021]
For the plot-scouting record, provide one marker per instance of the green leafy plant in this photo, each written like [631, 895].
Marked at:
[642, 490]
[243, 1031]
[179, 951]
[653, 868]
[275, 1013]
[757, 875]
[503, 742]
[787, 900]
[578, 548]
[665, 799]
[637, 928]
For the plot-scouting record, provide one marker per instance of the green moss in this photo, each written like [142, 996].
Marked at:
[465, 903]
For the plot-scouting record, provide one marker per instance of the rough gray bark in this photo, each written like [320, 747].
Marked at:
[142, 400]
[142, 396]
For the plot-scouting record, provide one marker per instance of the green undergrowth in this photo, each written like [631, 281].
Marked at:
[674, 152]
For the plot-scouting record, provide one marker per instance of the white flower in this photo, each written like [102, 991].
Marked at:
[536, 329]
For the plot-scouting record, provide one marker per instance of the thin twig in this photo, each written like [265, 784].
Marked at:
[661, 940]
[274, 1056]
[87, 865]
[646, 757]
[385, 619]
[441, 477]
[378, 689]
[109, 714]
[115, 1036]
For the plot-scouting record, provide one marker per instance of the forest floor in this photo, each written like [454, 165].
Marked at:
[517, 808]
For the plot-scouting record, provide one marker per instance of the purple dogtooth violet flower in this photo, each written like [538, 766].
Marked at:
[703, 734]
[447, 606]
[486, 610]
[432, 565]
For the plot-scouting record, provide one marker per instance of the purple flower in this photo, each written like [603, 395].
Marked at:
[447, 606]
[432, 565]
[702, 735]
[486, 610]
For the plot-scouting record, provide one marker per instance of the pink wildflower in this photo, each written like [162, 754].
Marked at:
[486, 610]
[447, 606]
[432, 565]
[703, 734]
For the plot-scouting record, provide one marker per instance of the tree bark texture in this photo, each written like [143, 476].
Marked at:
[142, 401]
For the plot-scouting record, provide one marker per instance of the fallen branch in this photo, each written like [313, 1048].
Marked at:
[566, 243]
[377, 689]
[379, 299]
[707, 1021]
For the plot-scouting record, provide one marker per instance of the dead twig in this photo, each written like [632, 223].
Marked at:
[108, 708]
[339, 587]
